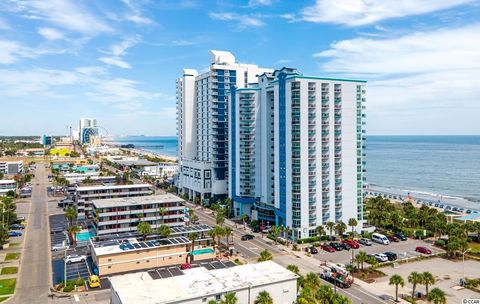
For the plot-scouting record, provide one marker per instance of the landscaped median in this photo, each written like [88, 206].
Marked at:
[7, 287]
[12, 256]
[9, 270]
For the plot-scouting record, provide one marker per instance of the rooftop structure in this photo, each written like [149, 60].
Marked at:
[199, 285]
[11, 167]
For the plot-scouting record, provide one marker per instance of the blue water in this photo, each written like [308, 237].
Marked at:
[447, 165]
[164, 145]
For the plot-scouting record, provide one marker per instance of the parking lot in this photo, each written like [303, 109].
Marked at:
[403, 249]
[173, 271]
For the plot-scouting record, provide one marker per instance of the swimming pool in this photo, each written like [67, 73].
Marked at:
[84, 235]
[202, 251]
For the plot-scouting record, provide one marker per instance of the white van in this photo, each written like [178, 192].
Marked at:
[380, 238]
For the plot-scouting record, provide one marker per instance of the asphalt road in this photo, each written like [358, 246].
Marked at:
[33, 281]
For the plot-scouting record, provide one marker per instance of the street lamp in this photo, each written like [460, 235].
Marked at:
[463, 263]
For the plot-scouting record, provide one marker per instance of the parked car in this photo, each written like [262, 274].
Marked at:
[336, 246]
[365, 241]
[16, 227]
[185, 266]
[61, 246]
[327, 248]
[14, 233]
[345, 246]
[441, 206]
[313, 250]
[75, 258]
[423, 250]
[352, 243]
[393, 238]
[93, 281]
[247, 237]
[20, 218]
[400, 236]
[380, 238]
[256, 229]
[380, 257]
[392, 256]
[469, 211]
[436, 204]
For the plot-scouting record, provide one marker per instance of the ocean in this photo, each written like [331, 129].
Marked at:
[432, 165]
[435, 165]
[164, 145]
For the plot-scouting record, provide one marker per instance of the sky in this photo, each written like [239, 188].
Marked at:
[117, 60]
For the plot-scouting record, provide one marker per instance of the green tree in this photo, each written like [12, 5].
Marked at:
[227, 232]
[265, 255]
[320, 230]
[244, 219]
[294, 269]
[324, 294]
[311, 280]
[341, 227]
[162, 211]
[361, 258]
[74, 230]
[229, 298]
[353, 223]
[414, 278]
[164, 230]
[396, 280]
[437, 296]
[216, 234]
[220, 218]
[341, 299]
[144, 229]
[71, 215]
[330, 226]
[263, 297]
[286, 232]
[192, 236]
[276, 230]
[427, 279]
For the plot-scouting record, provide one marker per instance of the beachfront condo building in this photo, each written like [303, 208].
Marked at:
[296, 150]
[122, 214]
[87, 129]
[203, 102]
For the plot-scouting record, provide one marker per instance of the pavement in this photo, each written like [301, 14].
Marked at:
[33, 281]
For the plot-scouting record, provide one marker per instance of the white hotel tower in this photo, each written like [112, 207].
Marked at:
[296, 150]
[202, 117]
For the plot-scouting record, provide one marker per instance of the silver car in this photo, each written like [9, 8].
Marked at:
[365, 241]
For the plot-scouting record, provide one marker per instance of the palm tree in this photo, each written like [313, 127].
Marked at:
[396, 280]
[276, 230]
[263, 298]
[320, 230]
[73, 230]
[244, 219]
[71, 214]
[361, 258]
[192, 236]
[162, 212]
[227, 232]
[427, 279]
[287, 234]
[341, 227]
[229, 298]
[265, 255]
[311, 281]
[294, 269]
[352, 223]
[212, 302]
[164, 230]
[437, 296]
[340, 299]
[144, 229]
[330, 226]
[220, 218]
[414, 278]
[324, 294]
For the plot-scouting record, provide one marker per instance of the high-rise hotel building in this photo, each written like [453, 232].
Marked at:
[203, 102]
[296, 150]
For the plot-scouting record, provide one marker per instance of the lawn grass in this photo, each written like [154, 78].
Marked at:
[474, 247]
[15, 244]
[7, 286]
[4, 299]
[9, 270]
[12, 256]
[60, 151]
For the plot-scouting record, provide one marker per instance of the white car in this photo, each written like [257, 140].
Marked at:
[20, 218]
[381, 257]
[61, 246]
[75, 258]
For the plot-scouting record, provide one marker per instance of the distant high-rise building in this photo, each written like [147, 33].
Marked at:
[296, 150]
[87, 128]
[203, 104]
[47, 140]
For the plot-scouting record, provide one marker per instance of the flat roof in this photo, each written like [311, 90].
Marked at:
[136, 200]
[6, 181]
[90, 188]
[139, 162]
[469, 217]
[132, 244]
[198, 282]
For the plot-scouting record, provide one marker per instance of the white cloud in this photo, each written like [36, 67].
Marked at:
[414, 76]
[4, 25]
[116, 61]
[63, 13]
[362, 12]
[50, 33]
[136, 15]
[182, 42]
[139, 19]
[260, 2]
[243, 21]
[91, 70]
[121, 48]
[13, 51]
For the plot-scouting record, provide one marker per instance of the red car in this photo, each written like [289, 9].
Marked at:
[352, 243]
[185, 266]
[327, 248]
[423, 250]
[393, 238]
